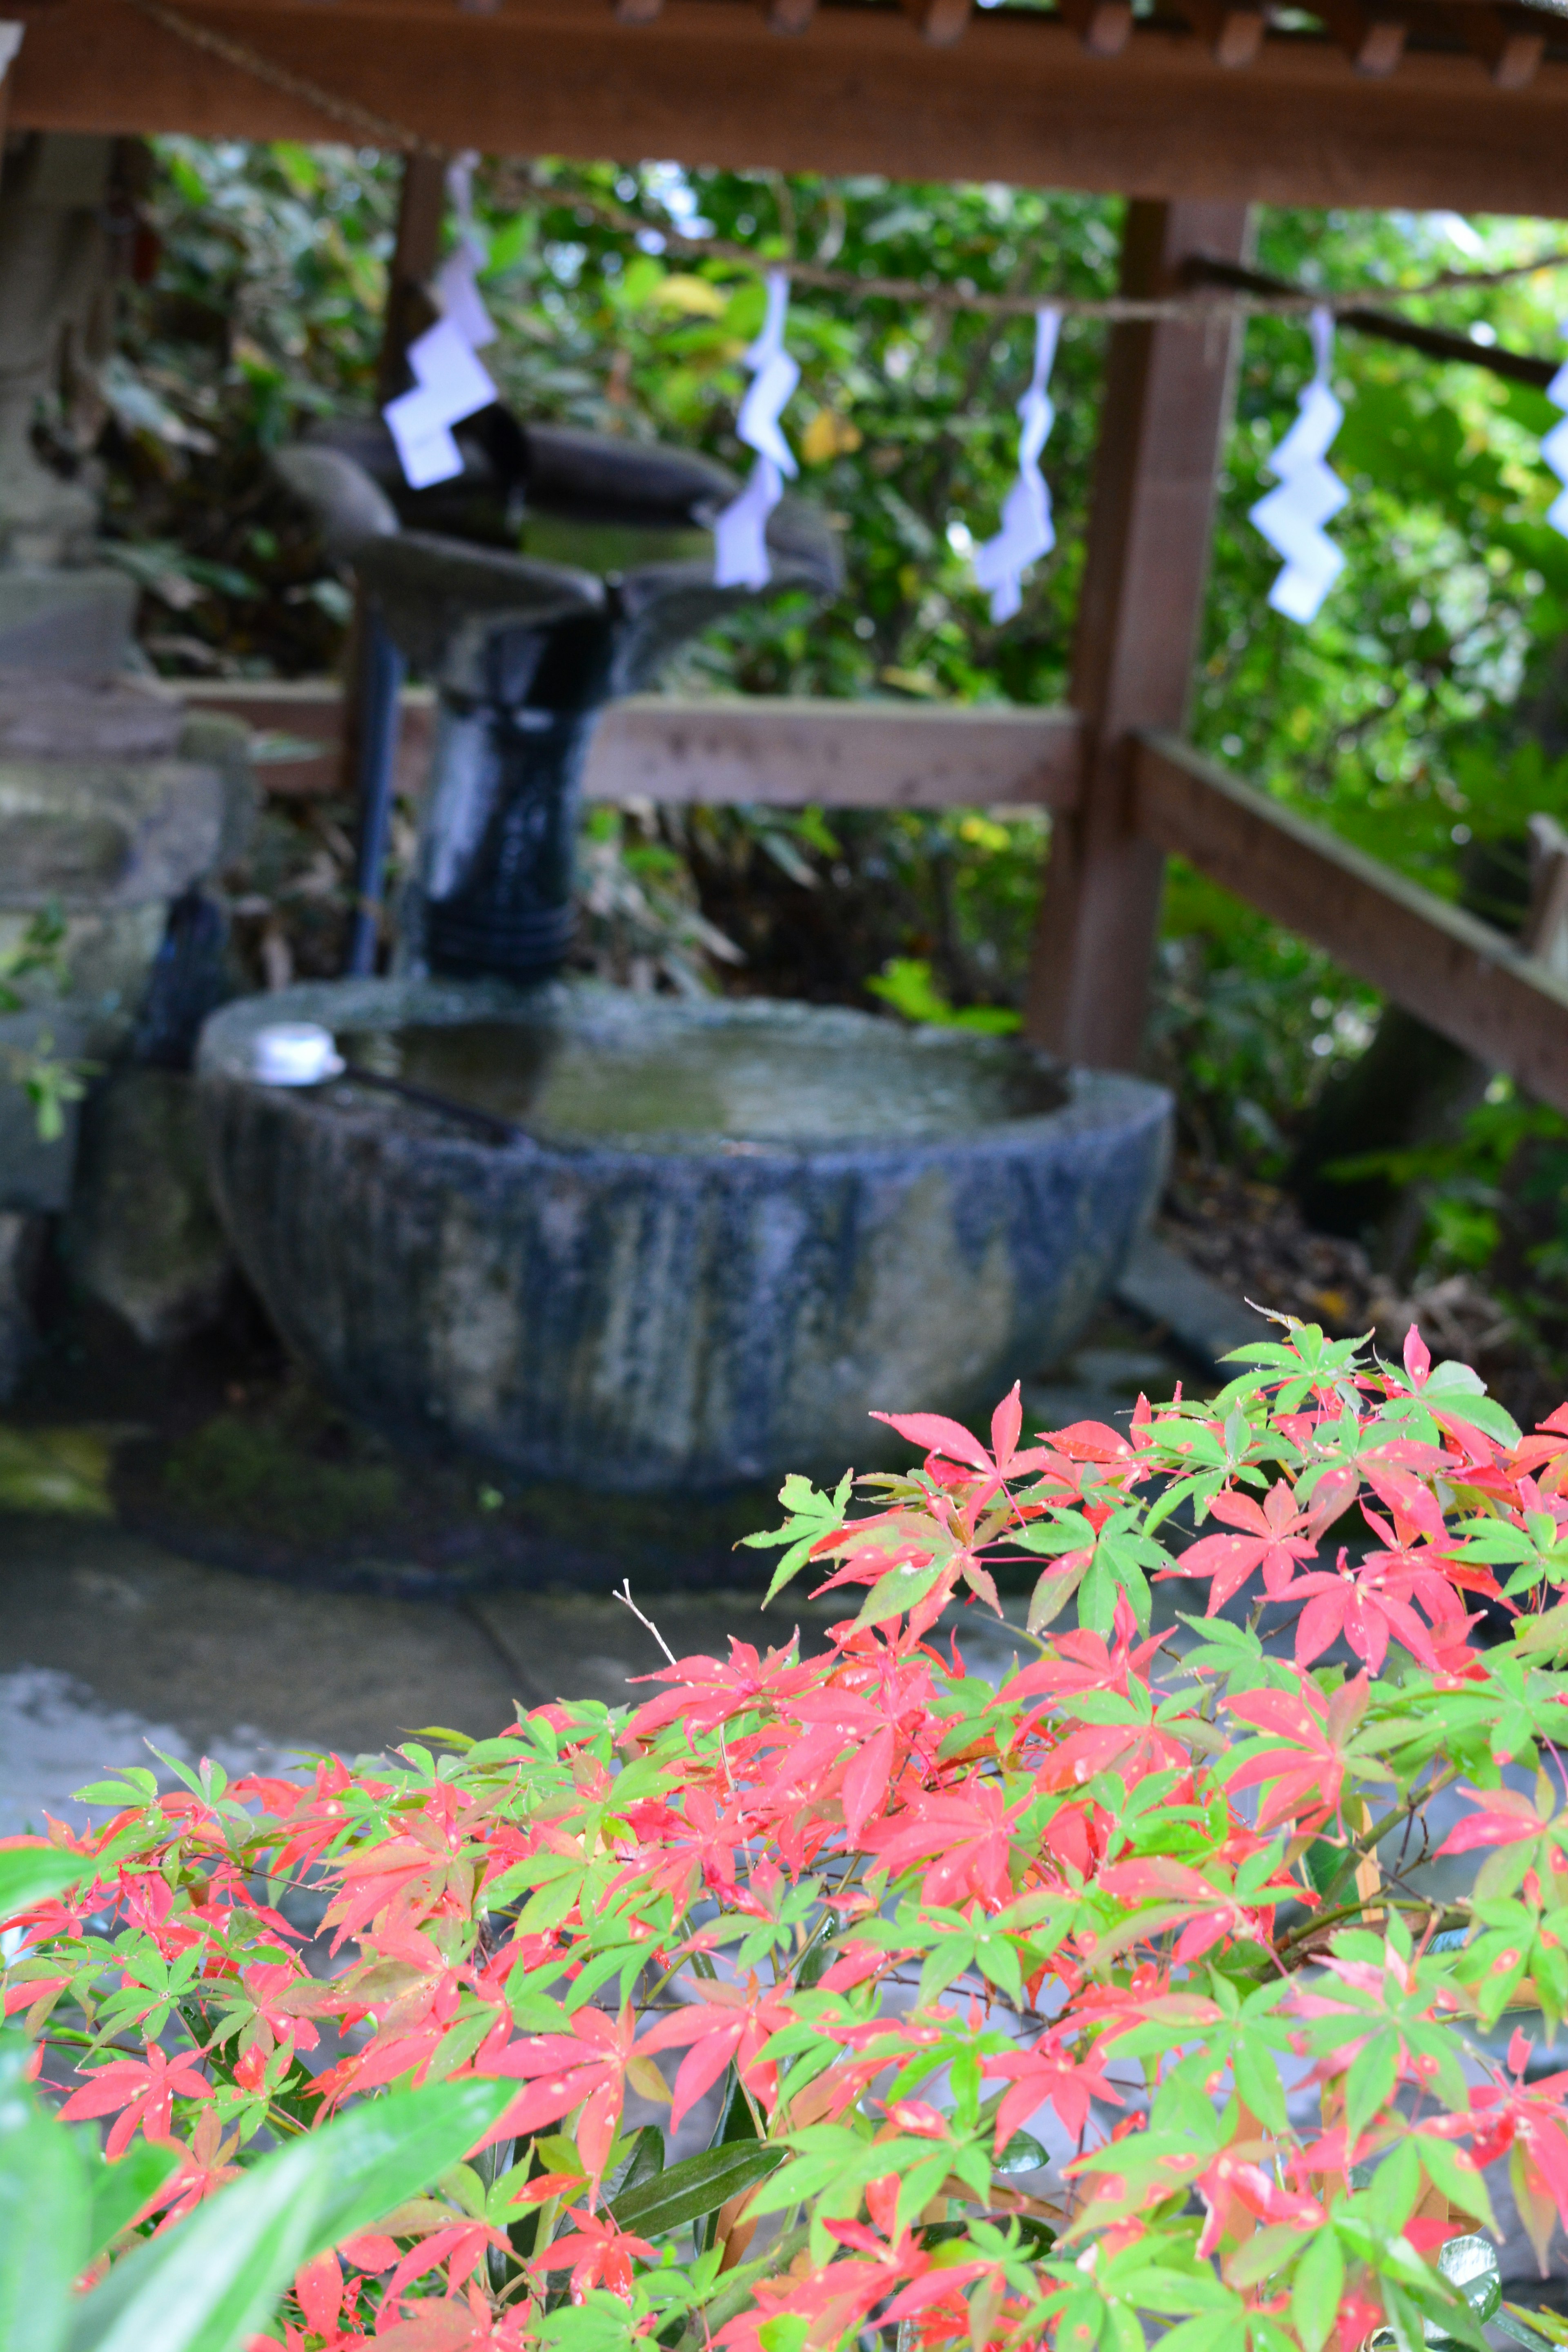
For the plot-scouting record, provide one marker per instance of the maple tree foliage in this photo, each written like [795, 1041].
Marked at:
[1148, 1907]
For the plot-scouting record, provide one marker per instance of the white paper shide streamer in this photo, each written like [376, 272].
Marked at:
[741, 532]
[1554, 448]
[456, 286]
[450, 381]
[1291, 518]
[1028, 531]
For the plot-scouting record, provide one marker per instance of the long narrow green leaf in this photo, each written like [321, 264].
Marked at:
[119, 2190]
[698, 2186]
[211, 2282]
[29, 1874]
[44, 2208]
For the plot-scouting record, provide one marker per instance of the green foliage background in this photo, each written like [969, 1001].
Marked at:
[1425, 707]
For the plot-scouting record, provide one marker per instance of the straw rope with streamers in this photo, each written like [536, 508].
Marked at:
[449, 380]
[741, 558]
[1554, 448]
[456, 282]
[1028, 531]
[1310, 494]
[380, 131]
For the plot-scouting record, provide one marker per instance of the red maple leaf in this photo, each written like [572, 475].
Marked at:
[145, 2092]
[1306, 1769]
[710, 1691]
[597, 2254]
[729, 2023]
[1366, 1606]
[587, 2067]
[1047, 2074]
[1278, 1537]
[973, 1834]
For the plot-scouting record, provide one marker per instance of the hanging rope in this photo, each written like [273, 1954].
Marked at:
[380, 131]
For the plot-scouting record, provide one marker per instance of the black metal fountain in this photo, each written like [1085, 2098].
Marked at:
[599, 1235]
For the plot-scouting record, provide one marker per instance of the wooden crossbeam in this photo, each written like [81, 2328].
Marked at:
[1018, 98]
[940, 22]
[1451, 971]
[781, 751]
[1510, 49]
[793, 752]
[1104, 26]
[1372, 39]
[1233, 34]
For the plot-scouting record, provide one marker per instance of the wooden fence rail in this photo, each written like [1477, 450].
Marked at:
[1454, 971]
[787, 751]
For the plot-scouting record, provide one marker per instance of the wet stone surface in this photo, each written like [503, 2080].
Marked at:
[697, 1243]
[115, 1638]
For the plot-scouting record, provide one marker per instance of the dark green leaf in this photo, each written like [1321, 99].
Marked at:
[698, 2186]
[206, 2285]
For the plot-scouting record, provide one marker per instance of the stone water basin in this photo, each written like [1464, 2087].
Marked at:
[694, 1243]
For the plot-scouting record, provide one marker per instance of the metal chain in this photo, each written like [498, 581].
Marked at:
[380, 131]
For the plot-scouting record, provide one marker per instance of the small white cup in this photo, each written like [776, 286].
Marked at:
[294, 1054]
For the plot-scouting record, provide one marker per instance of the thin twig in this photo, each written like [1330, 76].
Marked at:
[624, 1597]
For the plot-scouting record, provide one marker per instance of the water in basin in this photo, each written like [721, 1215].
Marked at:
[734, 1080]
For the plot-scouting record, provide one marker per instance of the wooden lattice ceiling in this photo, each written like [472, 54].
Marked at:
[1419, 102]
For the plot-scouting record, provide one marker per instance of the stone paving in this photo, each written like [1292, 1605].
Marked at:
[111, 1642]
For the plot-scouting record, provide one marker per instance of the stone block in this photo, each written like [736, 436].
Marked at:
[21, 1241]
[143, 1236]
[224, 744]
[35, 1176]
[50, 715]
[93, 836]
[1201, 1317]
[77, 622]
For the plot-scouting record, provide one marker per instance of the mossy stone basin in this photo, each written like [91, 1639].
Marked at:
[652, 1242]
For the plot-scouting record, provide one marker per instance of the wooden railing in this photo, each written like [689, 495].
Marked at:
[1458, 974]
[1464, 978]
[787, 751]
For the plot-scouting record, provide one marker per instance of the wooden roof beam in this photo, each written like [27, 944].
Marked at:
[1372, 38]
[1104, 26]
[1511, 51]
[1233, 34]
[791, 16]
[1018, 99]
[637, 12]
[939, 22]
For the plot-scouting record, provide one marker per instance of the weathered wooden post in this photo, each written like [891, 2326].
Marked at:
[421, 207]
[1167, 402]
[372, 670]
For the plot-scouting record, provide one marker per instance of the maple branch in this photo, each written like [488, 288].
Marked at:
[1300, 1938]
[1373, 1837]
[731, 2301]
[624, 1597]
